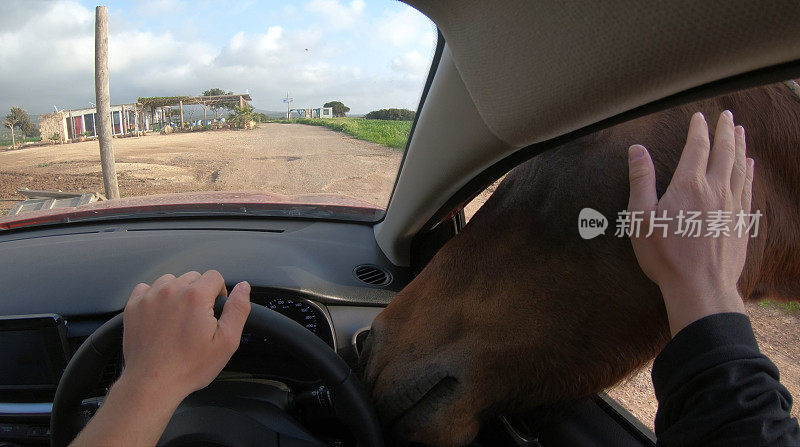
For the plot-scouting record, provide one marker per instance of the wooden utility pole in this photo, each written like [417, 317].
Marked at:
[123, 121]
[72, 125]
[103, 100]
[288, 101]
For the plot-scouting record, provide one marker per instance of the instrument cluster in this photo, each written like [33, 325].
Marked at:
[261, 357]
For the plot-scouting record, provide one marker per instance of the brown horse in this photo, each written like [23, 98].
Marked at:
[518, 311]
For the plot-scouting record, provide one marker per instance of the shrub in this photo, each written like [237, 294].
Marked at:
[391, 115]
[240, 117]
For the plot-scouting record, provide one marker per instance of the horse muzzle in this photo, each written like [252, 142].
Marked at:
[416, 396]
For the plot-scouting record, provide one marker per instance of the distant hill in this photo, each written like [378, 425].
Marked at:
[276, 114]
[271, 113]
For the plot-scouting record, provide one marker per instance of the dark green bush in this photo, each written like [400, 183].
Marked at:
[391, 115]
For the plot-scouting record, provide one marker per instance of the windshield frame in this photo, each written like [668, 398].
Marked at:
[306, 211]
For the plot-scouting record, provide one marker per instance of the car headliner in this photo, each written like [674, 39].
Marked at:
[521, 73]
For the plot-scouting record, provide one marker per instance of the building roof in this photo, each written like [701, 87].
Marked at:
[165, 101]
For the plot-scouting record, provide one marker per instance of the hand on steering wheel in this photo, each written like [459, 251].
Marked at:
[173, 345]
[172, 339]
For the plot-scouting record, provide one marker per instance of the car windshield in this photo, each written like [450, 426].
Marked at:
[292, 103]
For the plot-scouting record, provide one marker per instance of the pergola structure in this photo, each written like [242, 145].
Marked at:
[126, 119]
[205, 102]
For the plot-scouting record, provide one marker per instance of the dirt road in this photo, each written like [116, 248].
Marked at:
[278, 158]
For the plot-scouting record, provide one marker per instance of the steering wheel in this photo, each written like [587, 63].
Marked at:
[230, 414]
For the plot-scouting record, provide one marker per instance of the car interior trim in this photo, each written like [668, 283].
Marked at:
[327, 316]
[25, 408]
[449, 121]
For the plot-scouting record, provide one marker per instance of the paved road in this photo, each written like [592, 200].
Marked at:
[279, 158]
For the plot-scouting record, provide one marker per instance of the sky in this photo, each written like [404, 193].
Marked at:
[367, 54]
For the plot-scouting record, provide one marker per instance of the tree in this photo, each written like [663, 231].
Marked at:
[220, 106]
[339, 109]
[391, 114]
[19, 118]
[11, 121]
[216, 92]
[28, 127]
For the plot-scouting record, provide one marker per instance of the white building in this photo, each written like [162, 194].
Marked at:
[322, 112]
[73, 124]
[129, 119]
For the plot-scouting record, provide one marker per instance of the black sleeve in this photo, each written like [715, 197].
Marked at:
[714, 388]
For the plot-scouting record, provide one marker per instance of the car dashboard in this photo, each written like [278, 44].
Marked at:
[310, 271]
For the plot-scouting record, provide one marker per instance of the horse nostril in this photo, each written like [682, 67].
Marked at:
[360, 341]
[363, 345]
[366, 340]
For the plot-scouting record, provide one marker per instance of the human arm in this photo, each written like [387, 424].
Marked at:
[173, 345]
[713, 385]
[715, 388]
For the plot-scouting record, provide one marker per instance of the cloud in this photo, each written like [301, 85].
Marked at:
[16, 14]
[248, 50]
[159, 7]
[411, 63]
[47, 57]
[290, 11]
[405, 27]
[53, 35]
[336, 14]
[135, 51]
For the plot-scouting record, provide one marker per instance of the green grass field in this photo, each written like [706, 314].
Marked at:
[790, 307]
[388, 133]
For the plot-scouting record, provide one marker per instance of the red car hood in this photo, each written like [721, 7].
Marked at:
[329, 206]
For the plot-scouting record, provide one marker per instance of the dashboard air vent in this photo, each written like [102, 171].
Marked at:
[372, 275]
